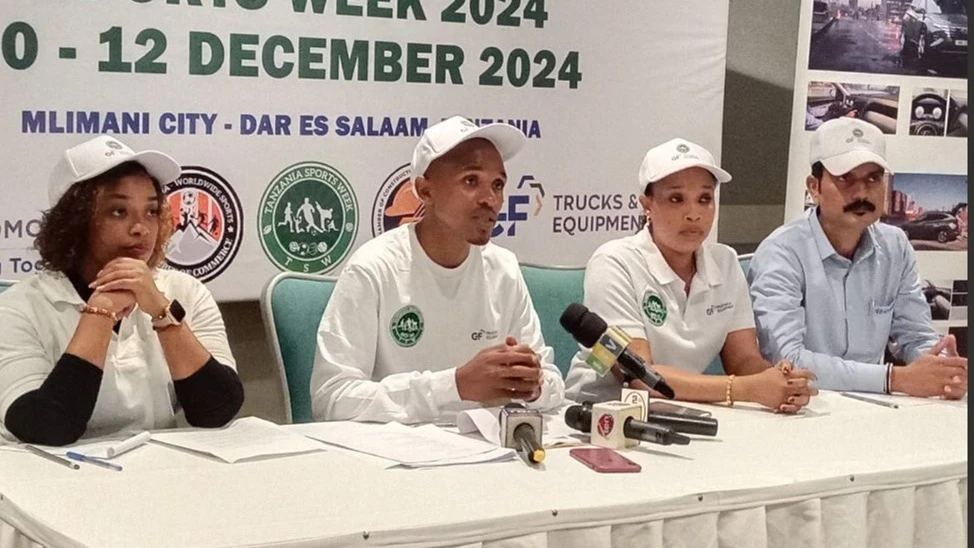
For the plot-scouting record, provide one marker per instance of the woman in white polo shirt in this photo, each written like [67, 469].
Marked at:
[102, 341]
[682, 301]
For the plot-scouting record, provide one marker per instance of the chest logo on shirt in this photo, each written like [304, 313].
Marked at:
[654, 307]
[406, 326]
[718, 308]
[484, 335]
[308, 218]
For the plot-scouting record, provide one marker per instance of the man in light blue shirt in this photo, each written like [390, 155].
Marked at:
[833, 288]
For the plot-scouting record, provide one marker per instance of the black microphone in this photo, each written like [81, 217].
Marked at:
[579, 417]
[703, 426]
[608, 346]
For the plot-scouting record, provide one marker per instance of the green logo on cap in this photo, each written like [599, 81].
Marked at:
[682, 148]
[308, 218]
[654, 308]
[406, 326]
[857, 132]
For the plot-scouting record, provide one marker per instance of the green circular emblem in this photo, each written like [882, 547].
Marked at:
[654, 308]
[308, 218]
[406, 326]
[682, 148]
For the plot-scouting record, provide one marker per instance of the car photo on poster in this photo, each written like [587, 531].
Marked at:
[937, 295]
[957, 113]
[909, 37]
[876, 104]
[928, 112]
[934, 31]
[931, 209]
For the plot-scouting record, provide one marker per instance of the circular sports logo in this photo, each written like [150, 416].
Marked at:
[682, 148]
[308, 218]
[605, 424]
[396, 204]
[406, 326]
[857, 132]
[654, 307]
[207, 223]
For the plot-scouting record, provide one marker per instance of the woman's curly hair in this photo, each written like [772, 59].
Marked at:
[65, 228]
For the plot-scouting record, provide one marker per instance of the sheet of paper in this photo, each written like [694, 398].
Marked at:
[495, 454]
[243, 439]
[400, 443]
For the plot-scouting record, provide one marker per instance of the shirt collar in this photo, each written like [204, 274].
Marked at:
[664, 274]
[868, 243]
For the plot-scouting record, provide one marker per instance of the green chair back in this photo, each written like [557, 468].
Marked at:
[552, 289]
[292, 305]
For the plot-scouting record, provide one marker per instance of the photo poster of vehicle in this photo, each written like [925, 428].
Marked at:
[900, 65]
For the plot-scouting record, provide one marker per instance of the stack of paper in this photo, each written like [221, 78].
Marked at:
[420, 446]
[243, 439]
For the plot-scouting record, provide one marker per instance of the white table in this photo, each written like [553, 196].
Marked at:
[855, 475]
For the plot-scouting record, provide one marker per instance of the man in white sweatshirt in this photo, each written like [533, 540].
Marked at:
[431, 318]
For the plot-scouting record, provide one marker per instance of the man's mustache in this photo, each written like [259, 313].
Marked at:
[859, 205]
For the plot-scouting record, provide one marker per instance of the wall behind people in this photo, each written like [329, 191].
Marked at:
[761, 40]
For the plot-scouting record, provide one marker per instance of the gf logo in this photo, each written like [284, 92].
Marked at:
[517, 205]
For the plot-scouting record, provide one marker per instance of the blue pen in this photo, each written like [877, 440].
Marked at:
[93, 460]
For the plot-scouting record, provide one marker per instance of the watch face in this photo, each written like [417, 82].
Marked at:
[177, 311]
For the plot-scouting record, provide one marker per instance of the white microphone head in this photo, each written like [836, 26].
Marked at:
[514, 415]
[608, 421]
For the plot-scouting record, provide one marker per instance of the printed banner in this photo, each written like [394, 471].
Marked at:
[900, 65]
[294, 120]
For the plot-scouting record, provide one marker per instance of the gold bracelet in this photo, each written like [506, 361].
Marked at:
[729, 393]
[87, 309]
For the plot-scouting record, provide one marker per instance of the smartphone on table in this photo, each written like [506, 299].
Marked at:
[603, 459]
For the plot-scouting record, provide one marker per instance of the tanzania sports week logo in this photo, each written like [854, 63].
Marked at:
[396, 204]
[308, 218]
[207, 223]
[406, 326]
[654, 307]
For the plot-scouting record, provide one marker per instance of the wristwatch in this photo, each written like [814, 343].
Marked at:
[171, 316]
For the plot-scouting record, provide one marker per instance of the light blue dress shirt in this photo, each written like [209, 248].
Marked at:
[834, 316]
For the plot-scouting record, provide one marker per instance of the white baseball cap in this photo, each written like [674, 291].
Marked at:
[842, 144]
[442, 137]
[96, 156]
[677, 155]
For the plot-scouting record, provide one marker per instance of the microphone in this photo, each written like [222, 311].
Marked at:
[703, 426]
[521, 430]
[602, 420]
[608, 346]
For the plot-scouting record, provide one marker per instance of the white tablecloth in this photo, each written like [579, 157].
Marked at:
[851, 474]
